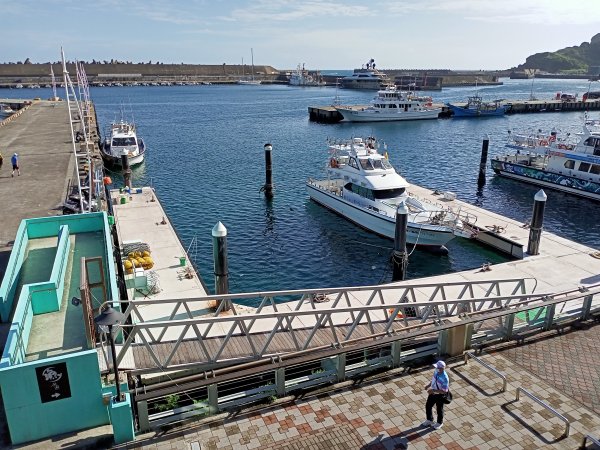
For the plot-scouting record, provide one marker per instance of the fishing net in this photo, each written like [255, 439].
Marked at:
[135, 247]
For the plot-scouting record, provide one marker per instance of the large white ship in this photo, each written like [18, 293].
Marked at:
[390, 105]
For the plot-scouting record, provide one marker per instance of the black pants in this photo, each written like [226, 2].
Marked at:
[438, 401]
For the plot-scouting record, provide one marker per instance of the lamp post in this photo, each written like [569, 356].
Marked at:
[110, 317]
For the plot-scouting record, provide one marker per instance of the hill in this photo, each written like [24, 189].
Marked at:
[580, 58]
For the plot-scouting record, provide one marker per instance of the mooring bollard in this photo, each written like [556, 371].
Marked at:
[268, 187]
[219, 234]
[483, 161]
[537, 222]
[400, 256]
[126, 169]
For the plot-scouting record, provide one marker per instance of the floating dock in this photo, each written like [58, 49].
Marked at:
[140, 217]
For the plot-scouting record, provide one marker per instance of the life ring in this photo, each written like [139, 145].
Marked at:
[333, 163]
[398, 316]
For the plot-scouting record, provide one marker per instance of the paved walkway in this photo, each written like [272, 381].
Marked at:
[385, 412]
[42, 138]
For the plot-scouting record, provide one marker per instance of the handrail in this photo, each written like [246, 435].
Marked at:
[591, 438]
[487, 366]
[548, 407]
[353, 289]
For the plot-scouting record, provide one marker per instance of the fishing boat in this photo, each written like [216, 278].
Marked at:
[362, 186]
[122, 137]
[476, 107]
[391, 104]
[367, 77]
[249, 81]
[301, 77]
[562, 163]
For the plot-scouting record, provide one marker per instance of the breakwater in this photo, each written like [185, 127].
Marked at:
[27, 75]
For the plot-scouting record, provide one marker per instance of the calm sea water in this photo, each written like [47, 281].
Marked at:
[205, 158]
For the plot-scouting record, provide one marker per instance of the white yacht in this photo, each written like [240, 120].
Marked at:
[391, 104]
[367, 77]
[301, 77]
[363, 187]
[122, 136]
[5, 110]
[555, 162]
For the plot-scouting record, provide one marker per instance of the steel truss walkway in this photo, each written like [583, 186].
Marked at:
[307, 320]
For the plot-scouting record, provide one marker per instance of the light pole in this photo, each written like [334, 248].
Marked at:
[110, 317]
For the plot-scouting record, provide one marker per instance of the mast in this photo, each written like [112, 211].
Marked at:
[252, 54]
[53, 83]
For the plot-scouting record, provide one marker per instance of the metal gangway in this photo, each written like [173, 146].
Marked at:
[79, 108]
[294, 340]
[197, 333]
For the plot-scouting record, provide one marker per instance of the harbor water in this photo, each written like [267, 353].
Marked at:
[205, 159]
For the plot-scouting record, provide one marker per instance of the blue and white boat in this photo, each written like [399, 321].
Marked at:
[556, 163]
[476, 107]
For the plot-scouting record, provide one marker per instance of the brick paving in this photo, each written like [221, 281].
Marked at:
[571, 362]
[385, 411]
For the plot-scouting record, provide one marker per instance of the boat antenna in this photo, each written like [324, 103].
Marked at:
[131, 111]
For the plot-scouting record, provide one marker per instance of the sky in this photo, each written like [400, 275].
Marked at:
[328, 34]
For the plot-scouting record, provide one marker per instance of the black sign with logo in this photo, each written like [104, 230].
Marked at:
[53, 382]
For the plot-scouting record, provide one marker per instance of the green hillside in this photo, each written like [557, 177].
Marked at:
[570, 59]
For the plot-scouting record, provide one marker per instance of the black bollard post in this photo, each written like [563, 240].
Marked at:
[537, 222]
[483, 161]
[219, 234]
[126, 169]
[400, 256]
[268, 187]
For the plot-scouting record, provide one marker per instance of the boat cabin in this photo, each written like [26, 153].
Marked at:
[374, 194]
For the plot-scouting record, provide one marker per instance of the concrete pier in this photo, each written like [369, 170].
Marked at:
[42, 138]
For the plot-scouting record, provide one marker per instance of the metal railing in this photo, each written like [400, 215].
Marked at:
[218, 339]
[349, 314]
[592, 439]
[487, 366]
[305, 369]
[548, 407]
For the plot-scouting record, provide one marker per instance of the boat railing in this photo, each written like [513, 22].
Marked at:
[426, 200]
[331, 189]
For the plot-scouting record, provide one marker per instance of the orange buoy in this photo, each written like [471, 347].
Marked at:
[107, 181]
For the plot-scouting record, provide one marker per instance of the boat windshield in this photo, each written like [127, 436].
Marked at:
[372, 164]
[123, 142]
[389, 193]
